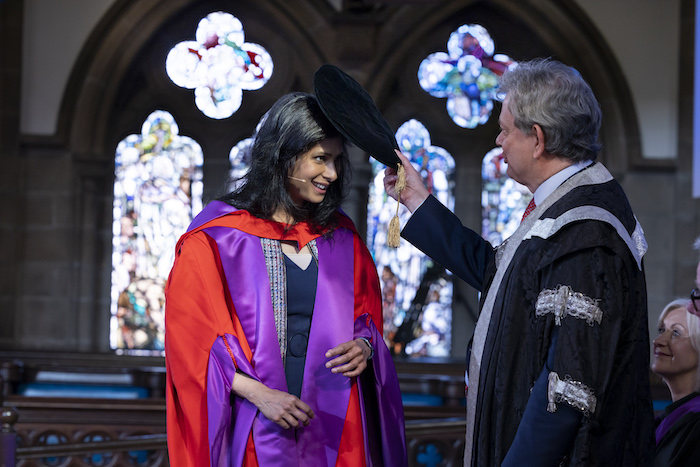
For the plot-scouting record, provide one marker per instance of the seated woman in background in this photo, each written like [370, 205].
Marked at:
[676, 360]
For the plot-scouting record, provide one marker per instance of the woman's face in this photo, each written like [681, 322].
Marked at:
[674, 356]
[314, 171]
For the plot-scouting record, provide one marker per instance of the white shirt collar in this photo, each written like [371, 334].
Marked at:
[553, 182]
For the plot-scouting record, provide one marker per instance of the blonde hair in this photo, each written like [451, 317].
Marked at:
[692, 322]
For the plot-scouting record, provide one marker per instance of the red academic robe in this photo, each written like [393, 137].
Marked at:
[211, 331]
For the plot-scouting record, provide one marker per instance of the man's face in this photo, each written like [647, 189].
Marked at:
[518, 148]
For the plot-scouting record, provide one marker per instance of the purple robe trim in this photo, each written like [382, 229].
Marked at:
[331, 325]
[211, 211]
[327, 393]
[227, 441]
[692, 406]
[388, 416]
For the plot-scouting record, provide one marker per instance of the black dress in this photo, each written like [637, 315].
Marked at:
[301, 295]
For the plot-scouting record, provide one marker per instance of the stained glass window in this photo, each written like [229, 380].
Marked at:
[467, 75]
[239, 157]
[157, 192]
[503, 200]
[219, 65]
[416, 292]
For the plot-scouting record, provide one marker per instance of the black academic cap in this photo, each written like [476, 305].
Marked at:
[353, 112]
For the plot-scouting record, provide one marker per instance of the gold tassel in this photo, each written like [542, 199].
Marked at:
[394, 236]
[401, 182]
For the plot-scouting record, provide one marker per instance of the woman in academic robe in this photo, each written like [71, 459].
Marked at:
[274, 348]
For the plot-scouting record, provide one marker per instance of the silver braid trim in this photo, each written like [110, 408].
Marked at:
[274, 260]
[565, 302]
[640, 242]
[547, 227]
[574, 393]
[313, 248]
[277, 272]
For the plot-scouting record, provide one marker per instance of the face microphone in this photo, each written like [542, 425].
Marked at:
[297, 179]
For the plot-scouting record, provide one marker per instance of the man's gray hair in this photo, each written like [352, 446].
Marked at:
[555, 97]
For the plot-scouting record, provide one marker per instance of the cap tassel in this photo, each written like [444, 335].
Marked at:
[394, 236]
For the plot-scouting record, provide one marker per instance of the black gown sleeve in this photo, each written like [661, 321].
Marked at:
[543, 438]
[680, 446]
[437, 232]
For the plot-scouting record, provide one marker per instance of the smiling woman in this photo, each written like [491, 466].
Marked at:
[274, 345]
[314, 171]
[677, 360]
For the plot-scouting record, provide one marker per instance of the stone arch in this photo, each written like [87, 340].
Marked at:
[559, 29]
[556, 28]
[100, 81]
[115, 85]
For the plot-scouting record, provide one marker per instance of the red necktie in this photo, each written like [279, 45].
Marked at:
[529, 208]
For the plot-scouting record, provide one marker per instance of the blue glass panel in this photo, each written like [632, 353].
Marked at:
[503, 200]
[416, 292]
[467, 75]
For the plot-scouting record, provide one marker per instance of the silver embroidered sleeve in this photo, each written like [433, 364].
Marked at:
[563, 301]
[574, 393]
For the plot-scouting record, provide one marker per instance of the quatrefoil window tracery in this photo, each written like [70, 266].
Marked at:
[467, 75]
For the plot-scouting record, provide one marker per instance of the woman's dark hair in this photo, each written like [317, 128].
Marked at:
[292, 126]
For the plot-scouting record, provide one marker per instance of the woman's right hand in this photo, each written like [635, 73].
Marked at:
[285, 409]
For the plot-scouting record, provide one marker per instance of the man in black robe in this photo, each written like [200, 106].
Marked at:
[559, 361]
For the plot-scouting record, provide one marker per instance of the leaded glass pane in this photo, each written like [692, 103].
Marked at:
[467, 75]
[416, 292]
[219, 65]
[157, 192]
[239, 157]
[503, 200]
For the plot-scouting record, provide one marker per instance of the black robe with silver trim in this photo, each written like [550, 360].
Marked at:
[575, 264]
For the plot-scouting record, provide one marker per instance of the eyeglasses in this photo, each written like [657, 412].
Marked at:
[695, 297]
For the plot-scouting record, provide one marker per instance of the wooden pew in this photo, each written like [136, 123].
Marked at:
[103, 431]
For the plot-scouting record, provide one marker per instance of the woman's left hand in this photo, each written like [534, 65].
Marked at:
[351, 358]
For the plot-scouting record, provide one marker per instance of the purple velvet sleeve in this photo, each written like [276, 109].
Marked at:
[386, 411]
[229, 427]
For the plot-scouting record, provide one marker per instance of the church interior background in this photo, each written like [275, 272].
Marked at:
[120, 119]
